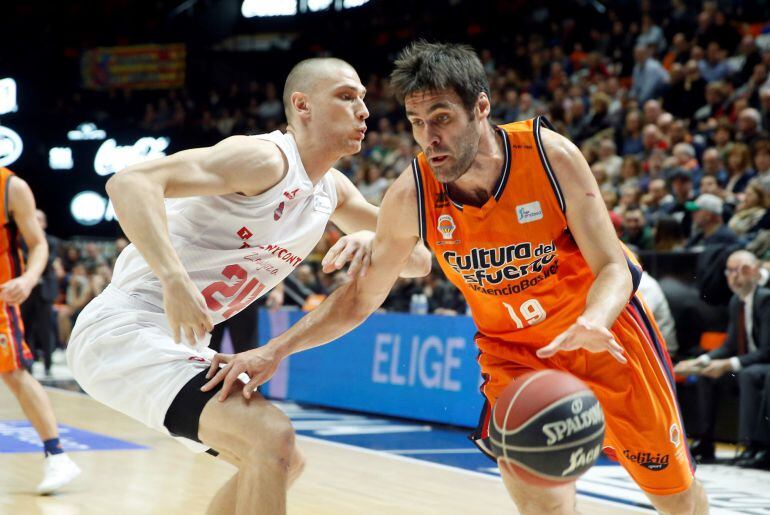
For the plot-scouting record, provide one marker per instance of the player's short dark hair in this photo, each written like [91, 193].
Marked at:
[424, 66]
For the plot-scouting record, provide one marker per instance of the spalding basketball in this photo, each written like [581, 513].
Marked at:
[548, 426]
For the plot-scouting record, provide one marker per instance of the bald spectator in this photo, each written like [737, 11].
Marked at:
[708, 223]
[649, 78]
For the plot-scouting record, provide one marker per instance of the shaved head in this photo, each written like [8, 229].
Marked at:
[306, 75]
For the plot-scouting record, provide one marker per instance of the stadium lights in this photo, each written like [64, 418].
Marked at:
[86, 131]
[88, 207]
[60, 158]
[10, 146]
[8, 96]
[266, 8]
[111, 158]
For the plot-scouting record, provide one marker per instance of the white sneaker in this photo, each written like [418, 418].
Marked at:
[59, 470]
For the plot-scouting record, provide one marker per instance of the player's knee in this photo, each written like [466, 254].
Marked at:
[13, 379]
[273, 437]
[683, 503]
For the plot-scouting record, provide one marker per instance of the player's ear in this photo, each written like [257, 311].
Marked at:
[483, 105]
[301, 104]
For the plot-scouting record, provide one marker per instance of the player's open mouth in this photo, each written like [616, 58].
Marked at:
[438, 160]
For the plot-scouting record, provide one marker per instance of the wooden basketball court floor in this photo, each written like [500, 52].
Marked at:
[166, 478]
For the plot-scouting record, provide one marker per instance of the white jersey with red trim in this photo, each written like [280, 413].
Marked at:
[236, 248]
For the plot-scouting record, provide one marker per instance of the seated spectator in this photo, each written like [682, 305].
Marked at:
[630, 172]
[749, 128]
[714, 66]
[714, 165]
[648, 76]
[372, 184]
[682, 194]
[635, 229]
[751, 209]
[79, 293]
[708, 223]
[709, 184]
[631, 138]
[745, 352]
[668, 235]
[609, 157]
[738, 169]
[656, 198]
[762, 162]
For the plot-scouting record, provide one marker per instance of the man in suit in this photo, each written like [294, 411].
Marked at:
[745, 357]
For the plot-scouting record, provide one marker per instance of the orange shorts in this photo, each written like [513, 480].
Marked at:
[14, 353]
[643, 424]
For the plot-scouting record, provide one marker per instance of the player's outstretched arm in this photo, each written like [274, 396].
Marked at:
[358, 219]
[237, 164]
[590, 225]
[397, 234]
[21, 205]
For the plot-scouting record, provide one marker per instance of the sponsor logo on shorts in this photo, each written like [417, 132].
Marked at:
[561, 429]
[244, 233]
[655, 462]
[581, 457]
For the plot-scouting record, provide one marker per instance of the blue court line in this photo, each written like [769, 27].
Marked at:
[18, 436]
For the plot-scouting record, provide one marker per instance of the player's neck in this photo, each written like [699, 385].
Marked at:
[479, 182]
[316, 157]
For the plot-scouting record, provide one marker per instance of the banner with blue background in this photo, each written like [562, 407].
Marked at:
[414, 366]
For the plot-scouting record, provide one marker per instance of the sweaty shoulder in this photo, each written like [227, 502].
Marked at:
[559, 149]
[254, 165]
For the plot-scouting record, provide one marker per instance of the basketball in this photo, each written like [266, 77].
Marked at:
[548, 426]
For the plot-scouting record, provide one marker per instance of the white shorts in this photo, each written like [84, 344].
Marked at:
[122, 354]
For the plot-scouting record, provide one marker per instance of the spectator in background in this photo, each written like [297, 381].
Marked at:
[709, 184]
[631, 138]
[630, 172]
[668, 235]
[682, 194]
[764, 106]
[748, 126]
[635, 229]
[738, 169]
[648, 77]
[609, 157]
[656, 198]
[714, 166]
[687, 91]
[762, 162]
[746, 351]
[79, 293]
[751, 209]
[713, 67]
[709, 227]
[372, 184]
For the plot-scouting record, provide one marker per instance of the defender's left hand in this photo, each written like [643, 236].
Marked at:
[356, 248]
[584, 335]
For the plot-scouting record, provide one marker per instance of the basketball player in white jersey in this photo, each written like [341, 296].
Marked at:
[241, 216]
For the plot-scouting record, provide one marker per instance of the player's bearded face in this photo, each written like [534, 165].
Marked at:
[446, 131]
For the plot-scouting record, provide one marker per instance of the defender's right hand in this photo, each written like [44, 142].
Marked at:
[185, 309]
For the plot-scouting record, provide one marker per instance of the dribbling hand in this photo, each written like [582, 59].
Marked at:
[186, 310]
[259, 364]
[356, 248]
[584, 335]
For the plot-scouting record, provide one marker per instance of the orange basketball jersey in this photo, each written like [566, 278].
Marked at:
[513, 258]
[14, 353]
[10, 253]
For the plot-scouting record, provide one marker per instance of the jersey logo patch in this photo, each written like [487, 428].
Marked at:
[531, 212]
[446, 226]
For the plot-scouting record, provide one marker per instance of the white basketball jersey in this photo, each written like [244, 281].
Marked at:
[236, 248]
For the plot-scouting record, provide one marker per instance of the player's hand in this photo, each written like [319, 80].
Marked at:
[717, 368]
[584, 335]
[356, 248]
[16, 290]
[259, 364]
[185, 309]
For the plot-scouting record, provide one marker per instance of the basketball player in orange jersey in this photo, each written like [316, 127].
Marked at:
[517, 222]
[17, 216]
